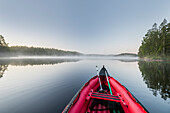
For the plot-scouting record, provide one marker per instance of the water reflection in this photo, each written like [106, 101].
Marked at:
[39, 89]
[2, 69]
[128, 60]
[25, 62]
[157, 77]
[4, 63]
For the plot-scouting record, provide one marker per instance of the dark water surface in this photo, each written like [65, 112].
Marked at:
[47, 85]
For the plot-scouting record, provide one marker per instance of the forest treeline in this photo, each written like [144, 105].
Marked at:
[156, 42]
[5, 50]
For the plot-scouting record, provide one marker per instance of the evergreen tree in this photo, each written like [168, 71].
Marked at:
[2, 41]
[167, 41]
[156, 42]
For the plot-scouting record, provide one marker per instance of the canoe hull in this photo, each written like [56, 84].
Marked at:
[81, 103]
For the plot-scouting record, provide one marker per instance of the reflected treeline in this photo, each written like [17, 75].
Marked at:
[25, 62]
[128, 60]
[2, 69]
[157, 77]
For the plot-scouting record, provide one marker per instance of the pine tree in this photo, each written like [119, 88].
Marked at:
[2, 41]
[156, 41]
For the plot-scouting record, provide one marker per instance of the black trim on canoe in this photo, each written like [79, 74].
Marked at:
[136, 100]
[69, 105]
[72, 100]
[103, 71]
[106, 97]
[112, 96]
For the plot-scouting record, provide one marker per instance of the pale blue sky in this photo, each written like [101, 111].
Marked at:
[87, 26]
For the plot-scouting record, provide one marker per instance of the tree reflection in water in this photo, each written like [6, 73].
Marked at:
[25, 62]
[2, 69]
[157, 77]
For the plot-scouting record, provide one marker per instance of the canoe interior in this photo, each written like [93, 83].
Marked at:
[82, 104]
[103, 106]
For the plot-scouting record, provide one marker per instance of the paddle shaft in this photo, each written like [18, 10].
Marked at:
[99, 79]
[108, 83]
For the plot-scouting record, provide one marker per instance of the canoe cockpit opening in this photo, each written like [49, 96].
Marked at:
[103, 105]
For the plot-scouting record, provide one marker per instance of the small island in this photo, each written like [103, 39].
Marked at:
[127, 54]
[156, 43]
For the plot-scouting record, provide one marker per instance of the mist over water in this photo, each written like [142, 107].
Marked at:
[36, 85]
[74, 57]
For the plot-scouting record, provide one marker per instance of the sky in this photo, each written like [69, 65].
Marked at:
[86, 26]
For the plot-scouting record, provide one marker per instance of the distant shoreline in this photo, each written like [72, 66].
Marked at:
[21, 51]
[16, 51]
[62, 53]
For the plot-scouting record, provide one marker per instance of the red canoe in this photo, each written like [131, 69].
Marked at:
[113, 99]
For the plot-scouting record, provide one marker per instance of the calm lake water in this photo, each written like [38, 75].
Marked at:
[47, 85]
